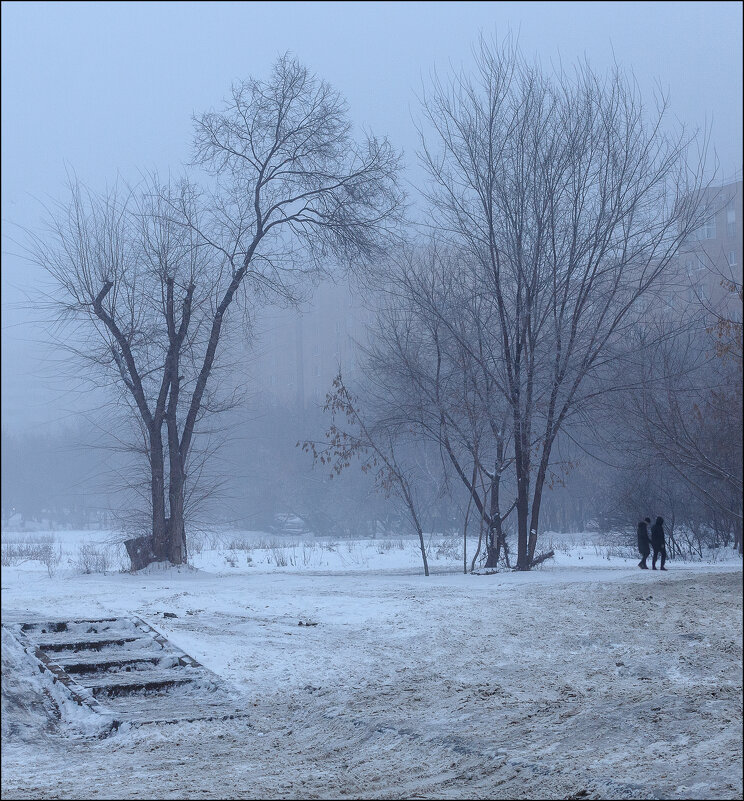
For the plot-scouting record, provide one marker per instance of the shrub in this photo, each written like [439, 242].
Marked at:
[91, 558]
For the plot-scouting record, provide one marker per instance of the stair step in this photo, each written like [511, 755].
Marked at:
[47, 626]
[113, 684]
[181, 703]
[91, 640]
[91, 663]
[78, 644]
[155, 715]
[125, 668]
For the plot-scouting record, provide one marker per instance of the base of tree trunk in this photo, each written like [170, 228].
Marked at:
[141, 552]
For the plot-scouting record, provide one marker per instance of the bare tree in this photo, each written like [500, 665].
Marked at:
[376, 443]
[426, 379]
[570, 200]
[149, 278]
[689, 412]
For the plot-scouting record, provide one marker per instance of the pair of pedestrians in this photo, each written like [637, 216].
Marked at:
[655, 541]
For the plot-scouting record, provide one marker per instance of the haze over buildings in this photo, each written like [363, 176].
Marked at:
[714, 255]
[108, 89]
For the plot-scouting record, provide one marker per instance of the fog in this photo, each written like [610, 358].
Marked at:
[352, 355]
[107, 91]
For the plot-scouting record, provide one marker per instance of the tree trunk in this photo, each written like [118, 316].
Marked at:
[540, 559]
[419, 531]
[423, 549]
[465, 538]
[535, 515]
[140, 552]
[522, 540]
[495, 534]
[159, 545]
[506, 549]
[480, 541]
[537, 498]
[177, 533]
[176, 541]
[167, 541]
[176, 528]
[522, 468]
[493, 549]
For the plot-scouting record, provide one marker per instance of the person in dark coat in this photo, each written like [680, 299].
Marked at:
[657, 542]
[644, 543]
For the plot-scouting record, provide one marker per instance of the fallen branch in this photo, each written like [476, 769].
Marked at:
[539, 559]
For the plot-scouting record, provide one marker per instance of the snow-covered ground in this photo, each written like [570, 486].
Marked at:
[585, 675]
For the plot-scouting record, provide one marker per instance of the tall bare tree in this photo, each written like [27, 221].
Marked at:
[428, 380]
[571, 199]
[150, 278]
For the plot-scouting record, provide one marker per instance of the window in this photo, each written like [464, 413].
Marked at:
[730, 222]
[732, 258]
[316, 349]
[317, 371]
[708, 229]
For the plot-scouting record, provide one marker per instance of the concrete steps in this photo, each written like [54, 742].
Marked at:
[125, 668]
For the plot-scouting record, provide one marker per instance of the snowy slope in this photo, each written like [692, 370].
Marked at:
[587, 675]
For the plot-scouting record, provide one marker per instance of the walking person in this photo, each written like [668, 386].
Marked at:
[644, 543]
[657, 542]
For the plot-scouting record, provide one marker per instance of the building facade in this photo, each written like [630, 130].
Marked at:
[713, 255]
[299, 352]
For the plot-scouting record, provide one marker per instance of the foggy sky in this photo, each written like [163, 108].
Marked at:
[110, 88]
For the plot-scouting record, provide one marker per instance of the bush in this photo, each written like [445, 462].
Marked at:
[91, 558]
[41, 548]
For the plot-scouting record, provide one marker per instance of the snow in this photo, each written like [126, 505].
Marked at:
[32, 699]
[586, 674]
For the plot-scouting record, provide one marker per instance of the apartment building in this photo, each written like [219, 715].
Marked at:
[714, 253]
[300, 351]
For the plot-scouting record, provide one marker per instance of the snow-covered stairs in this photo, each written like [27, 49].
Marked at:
[121, 666]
